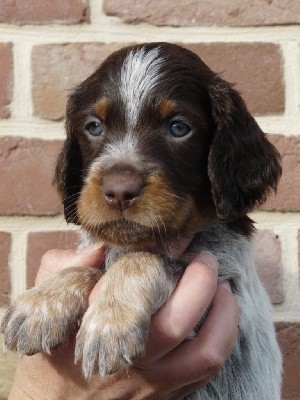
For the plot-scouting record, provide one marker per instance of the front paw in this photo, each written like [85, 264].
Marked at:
[42, 318]
[36, 322]
[109, 339]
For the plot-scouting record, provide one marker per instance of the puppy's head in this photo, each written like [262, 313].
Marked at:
[158, 144]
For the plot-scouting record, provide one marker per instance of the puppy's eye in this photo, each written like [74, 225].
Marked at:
[178, 129]
[94, 128]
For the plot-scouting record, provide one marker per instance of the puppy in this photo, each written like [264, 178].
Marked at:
[158, 147]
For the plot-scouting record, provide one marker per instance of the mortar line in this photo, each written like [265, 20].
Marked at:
[96, 12]
[113, 29]
[21, 105]
[290, 271]
[17, 263]
[291, 77]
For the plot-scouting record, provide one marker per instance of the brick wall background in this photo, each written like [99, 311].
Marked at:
[47, 47]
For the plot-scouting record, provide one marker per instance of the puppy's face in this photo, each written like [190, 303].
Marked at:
[140, 165]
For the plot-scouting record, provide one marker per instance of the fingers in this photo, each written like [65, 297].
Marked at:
[55, 260]
[199, 359]
[177, 318]
[95, 291]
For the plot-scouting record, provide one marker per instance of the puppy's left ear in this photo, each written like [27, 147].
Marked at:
[243, 165]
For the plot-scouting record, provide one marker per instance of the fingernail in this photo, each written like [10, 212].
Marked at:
[89, 249]
[226, 285]
[209, 259]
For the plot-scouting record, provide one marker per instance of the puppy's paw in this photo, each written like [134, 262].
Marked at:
[109, 339]
[42, 318]
[36, 322]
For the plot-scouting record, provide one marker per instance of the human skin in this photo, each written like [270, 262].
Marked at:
[171, 368]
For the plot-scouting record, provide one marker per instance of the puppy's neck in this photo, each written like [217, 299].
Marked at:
[172, 248]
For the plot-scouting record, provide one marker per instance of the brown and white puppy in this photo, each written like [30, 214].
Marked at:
[158, 147]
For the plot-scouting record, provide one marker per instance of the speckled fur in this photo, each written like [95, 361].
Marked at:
[242, 377]
[253, 371]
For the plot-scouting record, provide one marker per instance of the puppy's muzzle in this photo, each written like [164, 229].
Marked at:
[121, 190]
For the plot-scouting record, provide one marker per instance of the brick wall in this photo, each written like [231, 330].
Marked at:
[47, 47]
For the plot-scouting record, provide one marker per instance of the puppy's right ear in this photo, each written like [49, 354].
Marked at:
[68, 172]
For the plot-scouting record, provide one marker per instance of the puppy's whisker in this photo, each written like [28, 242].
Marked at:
[71, 196]
[151, 219]
[174, 195]
[155, 219]
[68, 207]
[87, 217]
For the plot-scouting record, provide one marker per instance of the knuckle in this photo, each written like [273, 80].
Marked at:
[213, 361]
[168, 332]
[53, 258]
[172, 335]
[48, 257]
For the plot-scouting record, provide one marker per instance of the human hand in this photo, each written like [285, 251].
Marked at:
[171, 368]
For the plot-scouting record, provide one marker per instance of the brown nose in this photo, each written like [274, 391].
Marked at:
[121, 190]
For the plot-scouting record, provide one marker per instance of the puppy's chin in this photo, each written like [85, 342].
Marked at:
[123, 232]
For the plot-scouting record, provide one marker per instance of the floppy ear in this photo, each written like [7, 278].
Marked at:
[68, 172]
[67, 178]
[243, 165]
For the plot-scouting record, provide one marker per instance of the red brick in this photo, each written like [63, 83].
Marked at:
[288, 193]
[238, 63]
[40, 11]
[6, 78]
[288, 335]
[5, 242]
[268, 263]
[39, 243]
[26, 171]
[264, 93]
[203, 12]
[50, 86]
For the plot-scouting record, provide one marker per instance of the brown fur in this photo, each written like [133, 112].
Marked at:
[160, 212]
[133, 288]
[43, 317]
[101, 108]
[167, 108]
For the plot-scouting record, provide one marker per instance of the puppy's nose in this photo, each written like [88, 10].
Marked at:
[121, 190]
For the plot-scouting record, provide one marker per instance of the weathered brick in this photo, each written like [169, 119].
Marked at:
[288, 335]
[263, 93]
[39, 243]
[50, 86]
[203, 12]
[288, 193]
[268, 263]
[6, 78]
[26, 171]
[238, 62]
[40, 11]
[5, 243]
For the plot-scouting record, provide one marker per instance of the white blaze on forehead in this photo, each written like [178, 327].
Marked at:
[140, 74]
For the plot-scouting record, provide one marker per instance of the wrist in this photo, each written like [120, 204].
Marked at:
[35, 380]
